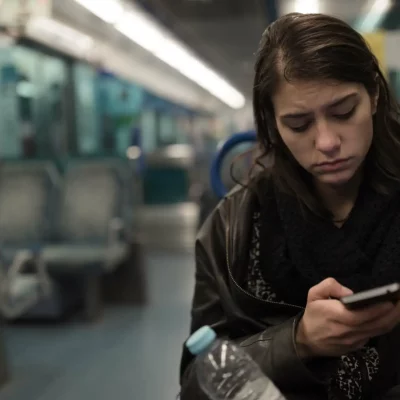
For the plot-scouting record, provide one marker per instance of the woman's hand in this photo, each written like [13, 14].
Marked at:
[328, 329]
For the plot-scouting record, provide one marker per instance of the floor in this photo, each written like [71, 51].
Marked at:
[134, 351]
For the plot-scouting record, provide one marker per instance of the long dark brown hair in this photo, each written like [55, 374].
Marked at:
[320, 47]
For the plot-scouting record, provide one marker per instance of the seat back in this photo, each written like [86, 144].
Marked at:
[27, 195]
[167, 176]
[94, 193]
[236, 165]
[221, 179]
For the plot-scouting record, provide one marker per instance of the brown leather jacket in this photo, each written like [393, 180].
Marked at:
[265, 329]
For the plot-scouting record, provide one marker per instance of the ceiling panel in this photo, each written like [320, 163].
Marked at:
[224, 33]
[200, 10]
[392, 20]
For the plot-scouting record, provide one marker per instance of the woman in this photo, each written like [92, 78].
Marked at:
[321, 223]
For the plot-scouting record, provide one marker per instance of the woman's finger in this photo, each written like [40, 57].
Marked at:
[383, 324]
[358, 318]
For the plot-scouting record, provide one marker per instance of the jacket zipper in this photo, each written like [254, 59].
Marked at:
[227, 232]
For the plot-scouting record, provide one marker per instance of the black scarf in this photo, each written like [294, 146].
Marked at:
[300, 249]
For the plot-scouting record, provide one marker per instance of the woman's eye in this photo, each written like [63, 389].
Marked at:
[301, 128]
[346, 115]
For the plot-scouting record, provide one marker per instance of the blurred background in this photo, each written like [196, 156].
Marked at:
[111, 114]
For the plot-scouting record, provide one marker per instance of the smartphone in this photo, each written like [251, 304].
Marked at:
[372, 296]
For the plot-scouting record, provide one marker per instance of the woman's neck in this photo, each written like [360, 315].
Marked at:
[339, 200]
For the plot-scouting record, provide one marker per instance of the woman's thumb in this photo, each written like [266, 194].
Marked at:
[327, 289]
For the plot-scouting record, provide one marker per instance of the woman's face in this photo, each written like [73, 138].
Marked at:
[327, 126]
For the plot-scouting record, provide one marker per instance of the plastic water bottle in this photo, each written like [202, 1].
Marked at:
[227, 372]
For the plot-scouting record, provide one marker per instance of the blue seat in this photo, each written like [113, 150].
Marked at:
[91, 234]
[25, 206]
[220, 175]
[28, 190]
[78, 226]
[92, 227]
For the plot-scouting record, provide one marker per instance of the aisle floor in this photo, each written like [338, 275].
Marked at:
[132, 353]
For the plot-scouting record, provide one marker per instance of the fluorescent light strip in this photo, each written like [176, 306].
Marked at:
[109, 11]
[140, 31]
[307, 6]
[144, 31]
[375, 15]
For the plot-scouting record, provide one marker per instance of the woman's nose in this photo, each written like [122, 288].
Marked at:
[326, 140]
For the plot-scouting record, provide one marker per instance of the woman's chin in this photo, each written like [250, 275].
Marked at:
[335, 178]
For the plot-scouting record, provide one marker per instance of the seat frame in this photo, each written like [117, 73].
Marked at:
[4, 367]
[21, 260]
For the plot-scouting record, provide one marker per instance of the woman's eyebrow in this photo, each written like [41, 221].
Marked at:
[333, 103]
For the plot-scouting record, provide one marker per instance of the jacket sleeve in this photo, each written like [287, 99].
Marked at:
[273, 348]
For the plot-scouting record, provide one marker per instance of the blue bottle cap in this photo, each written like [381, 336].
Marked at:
[200, 340]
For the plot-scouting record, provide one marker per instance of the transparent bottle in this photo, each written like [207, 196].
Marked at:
[227, 372]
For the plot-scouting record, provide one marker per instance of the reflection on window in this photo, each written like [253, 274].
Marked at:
[148, 128]
[87, 124]
[32, 103]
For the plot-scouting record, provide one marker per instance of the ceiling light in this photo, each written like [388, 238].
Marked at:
[141, 31]
[180, 58]
[139, 27]
[108, 10]
[307, 6]
[374, 15]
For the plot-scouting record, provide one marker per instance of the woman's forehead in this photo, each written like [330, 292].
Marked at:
[299, 95]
